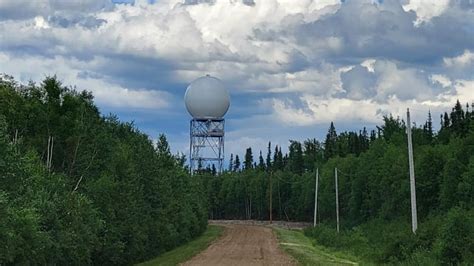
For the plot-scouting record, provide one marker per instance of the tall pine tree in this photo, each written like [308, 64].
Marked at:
[248, 160]
[330, 145]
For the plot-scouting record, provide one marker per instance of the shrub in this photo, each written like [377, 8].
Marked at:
[455, 243]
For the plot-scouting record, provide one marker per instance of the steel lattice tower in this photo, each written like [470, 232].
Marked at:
[206, 144]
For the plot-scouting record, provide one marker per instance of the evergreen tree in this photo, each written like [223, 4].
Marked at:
[428, 128]
[269, 154]
[231, 163]
[373, 136]
[295, 159]
[458, 123]
[213, 170]
[261, 162]
[444, 133]
[446, 121]
[281, 159]
[248, 160]
[468, 116]
[236, 163]
[330, 145]
[278, 163]
[312, 153]
[363, 140]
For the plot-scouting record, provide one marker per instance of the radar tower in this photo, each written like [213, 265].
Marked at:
[207, 100]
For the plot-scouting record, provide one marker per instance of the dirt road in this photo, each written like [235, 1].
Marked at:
[243, 245]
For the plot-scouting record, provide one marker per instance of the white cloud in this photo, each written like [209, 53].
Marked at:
[369, 64]
[426, 9]
[291, 115]
[41, 23]
[391, 90]
[322, 111]
[24, 9]
[463, 60]
[402, 83]
[464, 91]
[110, 95]
[441, 79]
[382, 80]
[323, 81]
[69, 72]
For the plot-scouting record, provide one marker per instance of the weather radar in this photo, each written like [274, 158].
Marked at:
[207, 101]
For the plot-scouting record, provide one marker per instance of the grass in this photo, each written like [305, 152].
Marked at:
[295, 243]
[188, 250]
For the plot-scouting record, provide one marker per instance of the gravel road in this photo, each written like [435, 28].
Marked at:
[243, 245]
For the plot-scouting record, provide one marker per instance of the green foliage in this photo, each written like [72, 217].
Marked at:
[455, 243]
[300, 247]
[248, 159]
[381, 242]
[77, 188]
[188, 250]
[449, 185]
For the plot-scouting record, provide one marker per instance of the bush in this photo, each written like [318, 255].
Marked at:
[108, 196]
[455, 243]
[378, 241]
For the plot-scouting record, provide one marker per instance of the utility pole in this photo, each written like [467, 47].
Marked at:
[337, 200]
[271, 208]
[414, 218]
[316, 198]
[51, 153]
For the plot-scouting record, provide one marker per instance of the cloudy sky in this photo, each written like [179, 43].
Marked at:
[291, 66]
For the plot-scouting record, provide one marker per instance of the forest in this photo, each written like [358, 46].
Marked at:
[373, 186]
[78, 188]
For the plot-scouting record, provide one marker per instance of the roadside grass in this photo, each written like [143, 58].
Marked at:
[295, 243]
[188, 250]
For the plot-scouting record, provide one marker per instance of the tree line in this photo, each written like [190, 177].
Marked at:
[80, 188]
[374, 191]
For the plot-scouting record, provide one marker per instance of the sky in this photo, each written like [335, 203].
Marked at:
[291, 66]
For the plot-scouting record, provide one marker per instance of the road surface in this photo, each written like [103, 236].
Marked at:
[243, 245]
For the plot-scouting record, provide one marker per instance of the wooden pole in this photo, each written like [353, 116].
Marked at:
[16, 137]
[47, 154]
[414, 218]
[316, 198]
[271, 208]
[337, 200]
[51, 153]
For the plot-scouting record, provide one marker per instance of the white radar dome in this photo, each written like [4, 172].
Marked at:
[207, 98]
